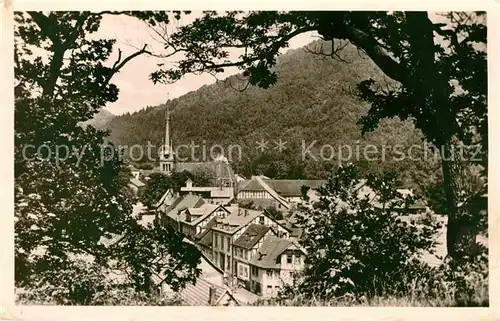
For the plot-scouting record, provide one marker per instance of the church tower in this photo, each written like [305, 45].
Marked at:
[167, 154]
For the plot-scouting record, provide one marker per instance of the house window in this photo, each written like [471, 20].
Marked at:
[290, 274]
[216, 241]
[240, 270]
[289, 259]
[227, 244]
[261, 220]
[297, 260]
[269, 290]
[269, 273]
[245, 271]
[254, 271]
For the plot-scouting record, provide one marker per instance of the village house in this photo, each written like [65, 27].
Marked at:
[136, 186]
[166, 200]
[193, 220]
[225, 231]
[274, 264]
[245, 247]
[175, 212]
[281, 194]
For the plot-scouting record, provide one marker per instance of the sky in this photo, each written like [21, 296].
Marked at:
[136, 90]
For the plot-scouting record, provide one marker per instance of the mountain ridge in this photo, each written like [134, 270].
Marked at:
[313, 100]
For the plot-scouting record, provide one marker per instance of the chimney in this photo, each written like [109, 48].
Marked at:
[211, 295]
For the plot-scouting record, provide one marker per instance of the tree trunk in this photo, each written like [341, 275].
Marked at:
[462, 229]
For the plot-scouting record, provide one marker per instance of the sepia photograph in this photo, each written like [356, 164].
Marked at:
[251, 158]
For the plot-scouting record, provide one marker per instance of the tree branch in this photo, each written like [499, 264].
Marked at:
[119, 64]
[375, 51]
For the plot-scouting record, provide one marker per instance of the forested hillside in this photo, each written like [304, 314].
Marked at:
[314, 100]
[101, 119]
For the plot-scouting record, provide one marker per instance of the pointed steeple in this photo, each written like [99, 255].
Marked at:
[167, 142]
[167, 156]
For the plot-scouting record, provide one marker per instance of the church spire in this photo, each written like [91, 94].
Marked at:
[167, 142]
[167, 157]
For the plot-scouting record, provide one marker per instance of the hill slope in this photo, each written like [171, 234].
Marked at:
[313, 100]
[101, 120]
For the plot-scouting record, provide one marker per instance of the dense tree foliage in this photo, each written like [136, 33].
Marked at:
[436, 65]
[360, 246]
[353, 231]
[70, 190]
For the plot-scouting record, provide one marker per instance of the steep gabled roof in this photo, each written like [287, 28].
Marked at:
[206, 239]
[183, 202]
[202, 212]
[237, 219]
[198, 294]
[259, 184]
[251, 236]
[136, 182]
[284, 187]
[206, 228]
[164, 198]
[269, 251]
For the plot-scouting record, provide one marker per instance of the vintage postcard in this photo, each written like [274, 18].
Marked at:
[235, 163]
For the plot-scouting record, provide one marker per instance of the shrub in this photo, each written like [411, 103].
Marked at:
[274, 213]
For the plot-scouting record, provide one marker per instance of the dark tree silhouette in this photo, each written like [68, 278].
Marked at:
[72, 195]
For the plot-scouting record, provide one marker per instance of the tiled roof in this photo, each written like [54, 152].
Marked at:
[269, 251]
[168, 195]
[206, 228]
[251, 236]
[198, 294]
[202, 212]
[297, 232]
[137, 182]
[206, 239]
[182, 203]
[259, 184]
[250, 185]
[273, 193]
[113, 239]
[284, 187]
[237, 219]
